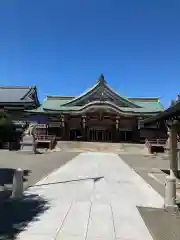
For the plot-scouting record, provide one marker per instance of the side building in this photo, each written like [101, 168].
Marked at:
[15, 100]
[99, 114]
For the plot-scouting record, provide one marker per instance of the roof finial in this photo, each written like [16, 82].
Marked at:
[101, 79]
[172, 102]
[178, 97]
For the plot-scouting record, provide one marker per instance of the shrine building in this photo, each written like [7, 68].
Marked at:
[99, 114]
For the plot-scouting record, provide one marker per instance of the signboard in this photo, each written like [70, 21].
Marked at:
[54, 118]
[55, 124]
[41, 126]
[19, 122]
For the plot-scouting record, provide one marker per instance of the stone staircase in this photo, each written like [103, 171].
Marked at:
[74, 146]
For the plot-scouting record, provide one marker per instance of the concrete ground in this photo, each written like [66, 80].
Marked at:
[92, 190]
[149, 168]
[162, 225]
[92, 197]
[35, 166]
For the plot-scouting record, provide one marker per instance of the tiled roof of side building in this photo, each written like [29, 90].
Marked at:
[16, 94]
[170, 112]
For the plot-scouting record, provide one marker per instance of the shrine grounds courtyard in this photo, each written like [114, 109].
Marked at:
[93, 195]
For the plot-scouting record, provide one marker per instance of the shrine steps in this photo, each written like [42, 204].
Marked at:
[99, 147]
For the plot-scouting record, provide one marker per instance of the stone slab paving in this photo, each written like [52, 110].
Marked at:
[92, 197]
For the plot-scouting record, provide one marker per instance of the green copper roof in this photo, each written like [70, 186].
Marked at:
[169, 113]
[54, 105]
[100, 90]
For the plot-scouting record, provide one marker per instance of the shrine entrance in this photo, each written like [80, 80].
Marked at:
[126, 136]
[100, 135]
[75, 135]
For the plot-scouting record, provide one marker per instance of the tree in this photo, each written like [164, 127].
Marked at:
[6, 127]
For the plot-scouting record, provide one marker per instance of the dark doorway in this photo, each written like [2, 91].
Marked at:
[97, 135]
[129, 136]
[56, 131]
[72, 135]
[75, 135]
[126, 136]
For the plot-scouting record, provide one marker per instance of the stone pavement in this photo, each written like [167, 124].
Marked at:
[123, 148]
[92, 197]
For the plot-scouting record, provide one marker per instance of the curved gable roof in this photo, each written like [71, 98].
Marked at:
[102, 94]
[101, 83]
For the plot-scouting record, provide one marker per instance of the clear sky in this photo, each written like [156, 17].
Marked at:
[63, 46]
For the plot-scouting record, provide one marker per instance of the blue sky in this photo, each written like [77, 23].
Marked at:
[63, 46]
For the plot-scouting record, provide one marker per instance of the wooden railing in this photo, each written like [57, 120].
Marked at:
[45, 137]
[158, 143]
[50, 139]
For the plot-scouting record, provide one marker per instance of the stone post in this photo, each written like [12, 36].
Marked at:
[170, 194]
[173, 151]
[17, 188]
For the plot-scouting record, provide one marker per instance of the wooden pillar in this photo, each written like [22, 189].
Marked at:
[84, 128]
[139, 128]
[63, 127]
[117, 129]
[173, 151]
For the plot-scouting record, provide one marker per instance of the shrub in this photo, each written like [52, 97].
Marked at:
[7, 128]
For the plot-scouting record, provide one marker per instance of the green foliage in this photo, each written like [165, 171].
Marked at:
[6, 127]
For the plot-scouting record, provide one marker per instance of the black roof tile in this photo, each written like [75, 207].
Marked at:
[16, 94]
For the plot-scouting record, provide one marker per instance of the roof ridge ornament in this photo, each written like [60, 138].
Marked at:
[101, 79]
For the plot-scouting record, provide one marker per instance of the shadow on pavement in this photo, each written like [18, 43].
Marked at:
[95, 179]
[6, 175]
[167, 171]
[16, 215]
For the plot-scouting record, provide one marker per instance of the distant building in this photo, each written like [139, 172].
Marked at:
[99, 114]
[16, 99]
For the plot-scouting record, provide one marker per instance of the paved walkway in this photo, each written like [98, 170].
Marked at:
[84, 206]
